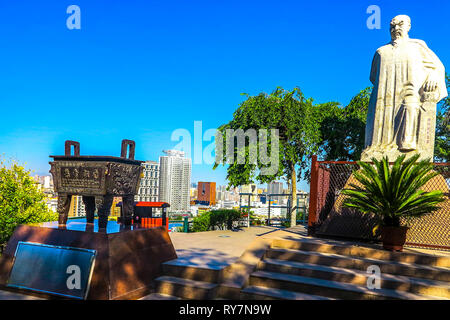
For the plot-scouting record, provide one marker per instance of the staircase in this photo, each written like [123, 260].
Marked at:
[317, 270]
[181, 281]
[313, 269]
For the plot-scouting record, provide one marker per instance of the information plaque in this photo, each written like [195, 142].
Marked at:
[56, 270]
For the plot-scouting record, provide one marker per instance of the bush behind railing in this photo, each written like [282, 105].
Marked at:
[221, 219]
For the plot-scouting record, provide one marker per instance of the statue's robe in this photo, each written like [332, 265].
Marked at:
[408, 61]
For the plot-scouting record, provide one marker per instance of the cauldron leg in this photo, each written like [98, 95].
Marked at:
[89, 204]
[103, 205]
[127, 209]
[63, 208]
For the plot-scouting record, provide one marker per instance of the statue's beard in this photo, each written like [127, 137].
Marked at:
[397, 35]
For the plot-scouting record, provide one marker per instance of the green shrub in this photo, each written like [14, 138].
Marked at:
[21, 201]
[201, 222]
[222, 218]
[286, 223]
[393, 191]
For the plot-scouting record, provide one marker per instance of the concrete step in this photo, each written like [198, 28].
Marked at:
[359, 263]
[350, 249]
[159, 296]
[9, 295]
[200, 273]
[358, 277]
[264, 293]
[328, 288]
[185, 288]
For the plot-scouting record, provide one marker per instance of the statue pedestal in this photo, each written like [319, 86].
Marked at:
[127, 258]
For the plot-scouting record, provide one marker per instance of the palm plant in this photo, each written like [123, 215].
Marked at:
[392, 192]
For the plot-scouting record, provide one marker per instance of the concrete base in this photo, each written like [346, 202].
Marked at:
[127, 260]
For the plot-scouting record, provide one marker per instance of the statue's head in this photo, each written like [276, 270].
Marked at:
[400, 26]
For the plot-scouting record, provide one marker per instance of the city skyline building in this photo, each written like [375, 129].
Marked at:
[77, 208]
[175, 180]
[149, 184]
[206, 193]
[250, 188]
[275, 187]
[193, 193]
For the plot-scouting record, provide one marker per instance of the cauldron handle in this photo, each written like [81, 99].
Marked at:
[125, 144]
[76, 148]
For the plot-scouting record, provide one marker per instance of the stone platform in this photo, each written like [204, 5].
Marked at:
[128, 258]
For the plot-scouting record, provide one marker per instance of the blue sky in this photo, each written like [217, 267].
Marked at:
[142, 69]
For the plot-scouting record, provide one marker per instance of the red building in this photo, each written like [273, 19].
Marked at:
[206, 193]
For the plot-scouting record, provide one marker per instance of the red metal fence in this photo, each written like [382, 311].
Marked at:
[327, 217]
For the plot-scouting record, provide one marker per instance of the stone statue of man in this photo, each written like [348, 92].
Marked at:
[408, 81]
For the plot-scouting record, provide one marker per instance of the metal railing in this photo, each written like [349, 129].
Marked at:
[301, 209]
[327, 216]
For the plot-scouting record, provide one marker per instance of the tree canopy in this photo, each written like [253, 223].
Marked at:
[298, 134]
[343, 128]
[442, 142]
[21, 201]
[298, 137]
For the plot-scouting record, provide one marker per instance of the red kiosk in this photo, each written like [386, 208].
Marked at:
[143, 214]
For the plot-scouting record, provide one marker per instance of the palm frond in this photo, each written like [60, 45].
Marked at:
[393, 191]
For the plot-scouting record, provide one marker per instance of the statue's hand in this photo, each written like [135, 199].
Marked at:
[430, 86]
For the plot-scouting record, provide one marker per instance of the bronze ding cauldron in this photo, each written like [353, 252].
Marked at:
[98, 179]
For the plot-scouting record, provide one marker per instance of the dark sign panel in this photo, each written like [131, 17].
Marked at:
[64, 271]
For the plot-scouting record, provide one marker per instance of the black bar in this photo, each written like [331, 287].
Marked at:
[164, 213]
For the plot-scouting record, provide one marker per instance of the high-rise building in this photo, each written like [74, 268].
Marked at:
[115, 209]
[206, 193]
[149, 185]
[250, 188]
[275, 187]
[193, 194]
[45, 184]
[77, 208]
[175, 180]
[223, 194]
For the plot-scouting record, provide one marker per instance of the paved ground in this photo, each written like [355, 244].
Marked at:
[215, 249]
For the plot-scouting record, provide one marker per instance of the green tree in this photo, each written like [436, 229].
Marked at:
[21, 201]
[296, 119]
[343, 129]
[442, 142]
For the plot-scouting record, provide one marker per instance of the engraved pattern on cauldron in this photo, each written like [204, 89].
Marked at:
[74, 177]
[123, 178]
[63, 203]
